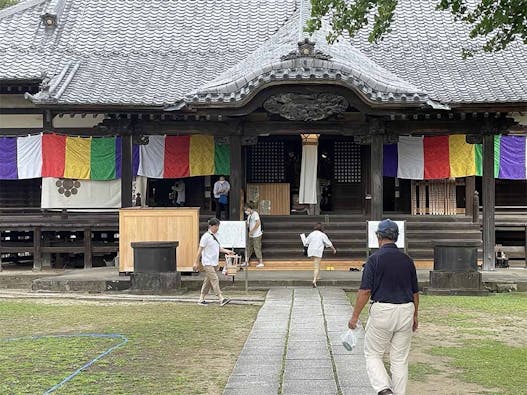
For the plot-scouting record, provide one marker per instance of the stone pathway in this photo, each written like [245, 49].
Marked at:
[294, 347]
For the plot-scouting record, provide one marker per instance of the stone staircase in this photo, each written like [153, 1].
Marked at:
[348, 233]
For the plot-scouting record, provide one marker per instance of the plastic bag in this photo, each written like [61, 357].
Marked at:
[349, 338]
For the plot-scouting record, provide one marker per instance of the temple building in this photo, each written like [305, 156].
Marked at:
[106, 105]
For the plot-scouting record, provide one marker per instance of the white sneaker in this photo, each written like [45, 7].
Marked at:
[260, 265]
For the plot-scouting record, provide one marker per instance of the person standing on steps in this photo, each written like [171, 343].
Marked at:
[254, 224]
[221, 196]
[315, 243]
[389, 280]
[209, 251]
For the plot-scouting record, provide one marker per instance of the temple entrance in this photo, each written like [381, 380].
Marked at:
[340, 174]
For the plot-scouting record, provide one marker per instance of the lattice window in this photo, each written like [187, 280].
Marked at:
[265, 162]
[347, 162]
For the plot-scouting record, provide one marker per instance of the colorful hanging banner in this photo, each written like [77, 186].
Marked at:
[8, 161]
[29, 156]
[451, 156]
[99, 158]
[201, 155]
[177, 150]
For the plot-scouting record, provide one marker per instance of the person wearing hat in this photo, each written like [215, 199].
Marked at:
[209, 251]
[389, 280]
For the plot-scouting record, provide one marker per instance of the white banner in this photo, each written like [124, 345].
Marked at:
[59, 193]
[308, 175]
[29, 156]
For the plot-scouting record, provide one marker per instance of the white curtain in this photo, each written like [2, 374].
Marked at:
[308, 175]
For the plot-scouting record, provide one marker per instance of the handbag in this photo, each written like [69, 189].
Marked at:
[223, 199]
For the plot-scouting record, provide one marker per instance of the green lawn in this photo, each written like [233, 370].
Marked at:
[476, 345]
[478, 341]
[173, 348]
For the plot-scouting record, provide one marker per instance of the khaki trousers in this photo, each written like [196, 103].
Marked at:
[389, 327]
[316, 268]
[254, 244]
[211, 281]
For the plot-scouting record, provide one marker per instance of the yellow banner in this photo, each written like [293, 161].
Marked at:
[201, 157]
[462, 156]
[77, 158]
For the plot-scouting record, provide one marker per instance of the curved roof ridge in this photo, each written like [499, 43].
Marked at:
[283, 58]
[22, 6]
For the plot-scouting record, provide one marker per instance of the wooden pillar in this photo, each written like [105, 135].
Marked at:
[235, 178]
[470, 187]
[489, 235]
[87, 249]
[37, 248]
[376, 166]
[126, 170]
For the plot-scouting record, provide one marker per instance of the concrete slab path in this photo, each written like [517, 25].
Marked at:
[294, 347]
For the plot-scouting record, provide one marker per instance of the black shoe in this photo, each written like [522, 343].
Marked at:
[314, 285]
[385, 391]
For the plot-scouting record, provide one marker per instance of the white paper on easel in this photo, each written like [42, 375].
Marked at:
[303, 238]
[232, 234]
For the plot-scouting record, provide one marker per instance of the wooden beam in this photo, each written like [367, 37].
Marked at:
[37, 248]
[489, 236]
[66, 131]
[295, 127]
[87, 249]
[235, 178]
[470, 187]
[126, 170]
[376, 168]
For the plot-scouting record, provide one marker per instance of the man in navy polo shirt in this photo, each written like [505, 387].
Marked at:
[390, 281]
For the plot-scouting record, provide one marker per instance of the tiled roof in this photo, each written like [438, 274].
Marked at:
[171, 52]
[425, 48]
[340, 63]
[135, 52]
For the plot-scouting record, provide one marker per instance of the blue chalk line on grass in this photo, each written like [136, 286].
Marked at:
[88, 364]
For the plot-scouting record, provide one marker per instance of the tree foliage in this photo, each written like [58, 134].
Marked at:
[7, 3]
[500, 22]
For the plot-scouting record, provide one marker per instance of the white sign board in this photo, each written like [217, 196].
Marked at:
[232, 234]
[372, 237]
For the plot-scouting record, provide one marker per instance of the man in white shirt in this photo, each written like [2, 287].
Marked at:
[254, 224]
[315, 243]
[209, 251]
[221, 192]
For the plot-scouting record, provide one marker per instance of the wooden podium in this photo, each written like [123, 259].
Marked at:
[159, 224]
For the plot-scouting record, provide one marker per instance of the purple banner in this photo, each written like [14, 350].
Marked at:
[390, 160]
[512, 158]
[135, 159]
[8, 166]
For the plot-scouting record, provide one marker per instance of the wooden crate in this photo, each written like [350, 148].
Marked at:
[159, 224]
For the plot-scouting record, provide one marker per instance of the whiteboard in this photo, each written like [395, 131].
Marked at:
[232, 234]
[372, 237]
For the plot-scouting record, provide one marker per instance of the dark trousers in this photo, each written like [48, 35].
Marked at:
[221, 207]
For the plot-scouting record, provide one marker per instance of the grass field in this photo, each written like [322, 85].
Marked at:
[470, 345]
[464, 345]
[173, 348]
